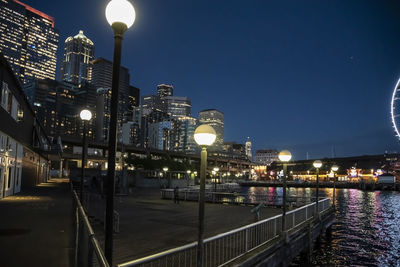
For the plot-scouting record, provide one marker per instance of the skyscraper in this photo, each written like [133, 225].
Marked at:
[177, 106]
[215, 119]
[100, 75]
[78, 53]
[28, 40]
[164, 90]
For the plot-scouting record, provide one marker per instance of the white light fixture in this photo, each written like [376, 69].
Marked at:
[205, 135]
[335, 168]
[216, 169]
[86, 115]
[165, 169]
[317, 164]
[120, 11]
[285, 156]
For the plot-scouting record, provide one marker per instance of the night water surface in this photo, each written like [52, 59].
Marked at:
[366, 231]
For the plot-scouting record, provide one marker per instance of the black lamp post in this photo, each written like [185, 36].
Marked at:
[86, 116]
[284, 156]
[204, 136]
[120, 15]
[317, 164]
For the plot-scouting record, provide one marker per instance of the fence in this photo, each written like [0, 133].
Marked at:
[86, 243]
[236, 198]
[226, 247]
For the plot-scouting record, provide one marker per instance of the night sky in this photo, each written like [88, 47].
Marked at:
[308, 76]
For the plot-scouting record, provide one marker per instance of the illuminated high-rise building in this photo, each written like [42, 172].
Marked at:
[78, 53]
[164, 90]
[28, 41]
[215, 119]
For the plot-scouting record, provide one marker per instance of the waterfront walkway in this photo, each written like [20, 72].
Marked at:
[149, 224]
[36, 226]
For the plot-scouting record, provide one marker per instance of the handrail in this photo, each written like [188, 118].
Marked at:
[97, 249]
[246, 229]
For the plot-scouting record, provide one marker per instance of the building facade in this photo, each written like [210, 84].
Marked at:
[58, 104]
[23, 142]
[164, 90]
[78, 53]
[28, 40]
[266, 156]
[177, 106]
[215, 119]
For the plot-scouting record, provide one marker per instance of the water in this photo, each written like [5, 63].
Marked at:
[366, 231]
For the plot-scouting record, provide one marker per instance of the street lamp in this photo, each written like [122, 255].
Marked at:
[216, 170]
[284, 156]
[317, 164]
[188, 176]
[204, 135]
[86, 116]
[165, 169]
[120, 15]
[334, 168]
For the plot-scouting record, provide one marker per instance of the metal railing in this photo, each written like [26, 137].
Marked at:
[224, 248]
[95, 206]
[86, 243]
[236, 198]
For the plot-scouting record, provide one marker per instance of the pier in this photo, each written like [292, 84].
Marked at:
[262, 242]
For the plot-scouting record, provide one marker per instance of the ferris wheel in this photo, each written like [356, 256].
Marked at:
[395, 109]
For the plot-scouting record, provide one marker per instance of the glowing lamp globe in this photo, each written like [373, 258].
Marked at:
[165, 169]
[216, 169]
[335, 168]
[205, 135]
[188, 171]
[86, 115]
[317, 164]
[285, 155]
[120, 11]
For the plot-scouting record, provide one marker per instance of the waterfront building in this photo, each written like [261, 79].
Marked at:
[58, 104]
[233, 150]
[24, 144]
[78, 53]
[266, 156]
[215, 119]
[164, 90]
[28, 40]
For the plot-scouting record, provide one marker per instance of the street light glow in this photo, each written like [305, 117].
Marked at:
[120, 11]
[86, 115]
[165, 169]
[285, 155]
[335, 168]
[317, 164]
[205, 135]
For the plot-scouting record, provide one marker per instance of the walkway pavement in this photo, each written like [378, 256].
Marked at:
[149, 224]
[36, 226]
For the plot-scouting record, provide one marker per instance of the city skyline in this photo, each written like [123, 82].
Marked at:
[278, 62]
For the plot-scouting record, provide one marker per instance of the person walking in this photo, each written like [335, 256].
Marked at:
[176, 195]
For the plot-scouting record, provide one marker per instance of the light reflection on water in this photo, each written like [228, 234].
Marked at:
[366, 231]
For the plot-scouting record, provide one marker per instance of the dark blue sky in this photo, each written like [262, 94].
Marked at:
[298, 75]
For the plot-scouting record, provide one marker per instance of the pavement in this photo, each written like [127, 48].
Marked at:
[149, 224]
[36, 226]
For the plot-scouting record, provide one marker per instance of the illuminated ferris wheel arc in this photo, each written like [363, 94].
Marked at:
[395, 97]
